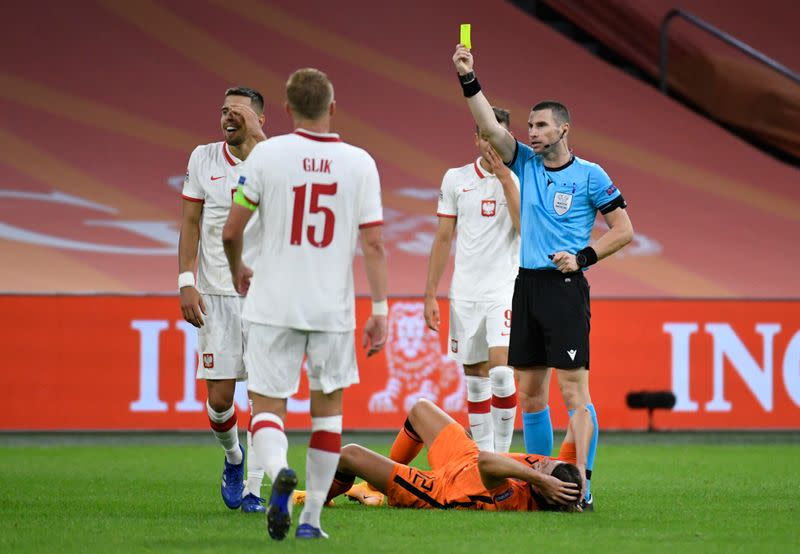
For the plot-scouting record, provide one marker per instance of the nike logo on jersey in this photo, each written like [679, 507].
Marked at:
[467, 190]
[572, 354]
[505, 418]
[217, 178]
[504, 334]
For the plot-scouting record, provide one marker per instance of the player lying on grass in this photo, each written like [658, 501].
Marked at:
[461, 475]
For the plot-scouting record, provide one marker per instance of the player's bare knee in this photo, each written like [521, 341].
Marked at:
[347, 453]
[419, 409]
[481, 369]
[220, 394]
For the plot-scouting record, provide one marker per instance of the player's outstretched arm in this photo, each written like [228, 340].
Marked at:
[233, 242]
[375, 330]
[481, 109]
[440, 253]
[192, 305]
[495, 469]
[510, 187]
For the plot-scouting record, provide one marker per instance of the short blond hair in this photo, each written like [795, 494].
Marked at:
[309, 93]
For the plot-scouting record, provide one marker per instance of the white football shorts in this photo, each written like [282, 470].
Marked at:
[220, 341]
[274, 358]
[475, 327]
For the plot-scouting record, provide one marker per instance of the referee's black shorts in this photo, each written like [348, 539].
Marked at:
[550, 320]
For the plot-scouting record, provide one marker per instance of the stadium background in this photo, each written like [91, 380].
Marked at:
[101, 103]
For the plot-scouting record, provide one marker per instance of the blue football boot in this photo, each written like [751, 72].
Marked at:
[279, 514]
[307, 531]
[252, 504]
[233, 483]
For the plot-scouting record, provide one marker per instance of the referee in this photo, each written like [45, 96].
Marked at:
[560, 197]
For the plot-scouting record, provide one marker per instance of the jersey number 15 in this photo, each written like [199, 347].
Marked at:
[298, 214]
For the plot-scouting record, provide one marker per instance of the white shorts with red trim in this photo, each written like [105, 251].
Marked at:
[475, 327]
[274, 358]
[220, 342]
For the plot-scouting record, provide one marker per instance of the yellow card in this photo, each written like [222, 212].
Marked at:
[465, 32]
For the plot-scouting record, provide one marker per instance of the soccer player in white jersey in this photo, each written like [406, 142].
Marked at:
[211, 303]
[316, 196]
[480, 203]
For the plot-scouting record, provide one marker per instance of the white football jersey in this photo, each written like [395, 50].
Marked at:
[211, 179]
[313, 192]
[487, 246]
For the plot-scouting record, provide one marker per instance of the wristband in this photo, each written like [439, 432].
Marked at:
[380, 308]
[586, 257]
[186, 279]
[469, 84]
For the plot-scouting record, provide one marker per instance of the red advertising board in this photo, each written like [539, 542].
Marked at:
[128, 363]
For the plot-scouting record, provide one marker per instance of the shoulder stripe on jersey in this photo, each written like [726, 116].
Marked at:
[228, 157]
[370, 224]
[190, 199]
[440, 214]
[478, 169]
[324, 138]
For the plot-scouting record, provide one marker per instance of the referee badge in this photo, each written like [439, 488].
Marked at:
[562, 202]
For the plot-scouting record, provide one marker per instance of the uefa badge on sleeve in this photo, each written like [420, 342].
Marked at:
[454, 345]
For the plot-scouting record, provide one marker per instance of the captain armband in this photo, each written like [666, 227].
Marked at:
[618, 202]
[241, 199]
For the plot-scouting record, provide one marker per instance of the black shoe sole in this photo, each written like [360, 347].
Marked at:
[278, 522]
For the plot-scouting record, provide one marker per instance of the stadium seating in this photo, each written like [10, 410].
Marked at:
[714, 76]
[99, 113]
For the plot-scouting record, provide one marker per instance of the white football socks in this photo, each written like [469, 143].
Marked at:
[321, 460]
[255, 473]
[269, 443]
[479, 405]
[504, 406]
[223, 425]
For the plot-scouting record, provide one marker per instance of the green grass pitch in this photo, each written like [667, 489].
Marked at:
[667, 493]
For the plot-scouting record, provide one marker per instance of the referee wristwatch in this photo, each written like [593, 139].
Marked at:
[586, 257]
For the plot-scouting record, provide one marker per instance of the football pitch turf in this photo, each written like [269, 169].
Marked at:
[148, 493]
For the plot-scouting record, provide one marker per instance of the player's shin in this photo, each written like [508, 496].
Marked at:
[406, 445]
[479, 407]
[342, 482]
[269, 443]
[537, 430]
[223, 425]
[504, 406]
[592, 448]
[322, 459]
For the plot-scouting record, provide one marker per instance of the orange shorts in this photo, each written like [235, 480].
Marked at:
[453, 482]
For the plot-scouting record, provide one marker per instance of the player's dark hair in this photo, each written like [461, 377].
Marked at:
[569, 474]
[256, 100]
[560, 111]
[309, 93]
[502, 115]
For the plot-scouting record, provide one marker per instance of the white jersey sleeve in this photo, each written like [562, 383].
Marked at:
[448, 205]
[250, 187]
[192, 190]
[371, 209]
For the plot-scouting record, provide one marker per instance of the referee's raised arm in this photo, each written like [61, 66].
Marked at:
[499, 137]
